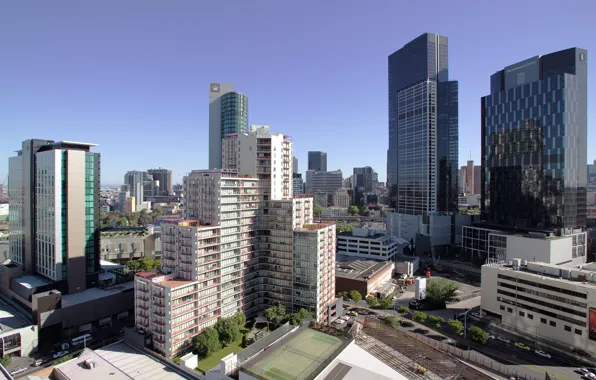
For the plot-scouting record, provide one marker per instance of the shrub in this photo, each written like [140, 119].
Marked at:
[456, 325]
[403, 309]
[418, 316]
[386, 302]
[355, 295]
[392, 321]
[372, 301]
[437, 321]
[478, 335]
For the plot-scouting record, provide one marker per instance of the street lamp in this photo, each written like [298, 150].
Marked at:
[466, 323]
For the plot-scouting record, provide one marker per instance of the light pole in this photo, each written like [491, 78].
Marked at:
[466, 323]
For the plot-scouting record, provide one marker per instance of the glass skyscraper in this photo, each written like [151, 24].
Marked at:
[422, 158]
[534, 152]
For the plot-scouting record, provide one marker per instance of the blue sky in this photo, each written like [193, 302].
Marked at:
[132, 76]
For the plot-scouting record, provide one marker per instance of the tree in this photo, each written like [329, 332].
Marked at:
[299, 317]
[364, 211]
[372, 301]
[245, 340]
[355, 295]
[318, 209]
[276, 313]
[456, 326]
[392, 321]
[344, 295]
[240, 319]
[228, 330]
[5, 361]
[144, 218]
[440, 292]
[437, 321]
[122, 222]
[133, 265]
[207, 342]
[157, 210]
[478, 335]
[386, 303]
[403, 309]
[353, 210]
[418, 316]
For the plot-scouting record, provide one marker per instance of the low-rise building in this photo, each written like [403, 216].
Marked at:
[123, 244]
[17, 335]
[369, 244]
[335, 212]
[366, 276]
[553, 303]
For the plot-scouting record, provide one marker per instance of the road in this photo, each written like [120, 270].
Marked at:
[525, 363]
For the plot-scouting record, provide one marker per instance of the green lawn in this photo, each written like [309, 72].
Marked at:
[207, 363]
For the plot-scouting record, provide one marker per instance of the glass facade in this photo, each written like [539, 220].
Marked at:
[234, 113]
[534, 154]
[92, 212]
[422, 157]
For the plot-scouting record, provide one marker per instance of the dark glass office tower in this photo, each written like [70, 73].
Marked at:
[422, 157]
[534, 152]
[317, 161]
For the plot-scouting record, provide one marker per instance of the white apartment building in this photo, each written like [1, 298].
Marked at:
[263, 154]
[493, 245]
[554, 303]
[369, 244]
[237, 254]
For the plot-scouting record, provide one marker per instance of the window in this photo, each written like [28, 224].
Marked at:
[522, 314]
[543, 320]
[578, 331]
[531, 316]
[502, 307]
[553, 323]
[567, 328]
[510, 310]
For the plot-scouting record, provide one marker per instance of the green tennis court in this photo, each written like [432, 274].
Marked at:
[298, 357]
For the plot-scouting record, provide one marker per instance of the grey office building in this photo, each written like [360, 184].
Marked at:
[317, 161]
[162, 181]
[228, 114]
[422, 159]
[363, 181]
[324, 184]
[534, 134]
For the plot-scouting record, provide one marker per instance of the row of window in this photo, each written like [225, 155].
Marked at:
[544, 286]
[541, 311]
[542, 320]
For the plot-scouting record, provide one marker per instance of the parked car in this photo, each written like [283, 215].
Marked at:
[352, 313]
[491, 336]
[16, 371]
[60, 354]
[582, 371]
[542, 353]
[38, 362]
[522, 346]
[503, 340]
[406, 324]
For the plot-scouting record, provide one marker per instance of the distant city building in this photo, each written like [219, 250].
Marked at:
[228, 114]
[535, 115]
[263, 154]
[163, 180]
[295, 165]
[334, 212]
[324, 182]
[341, 198]
[317, 161]
[297, 184]
[130, 205]
[469, 179]
[123, 195]
[363, 181]
[422, 157]
[369, 243]
[2, 195]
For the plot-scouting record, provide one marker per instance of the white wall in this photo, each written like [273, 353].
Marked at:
[552, 251]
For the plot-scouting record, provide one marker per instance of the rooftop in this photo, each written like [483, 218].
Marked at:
[94, 293]
[582, 275]
[167, 280]
[300, 355]
[358, 269]
[314, 227]
[10, 320]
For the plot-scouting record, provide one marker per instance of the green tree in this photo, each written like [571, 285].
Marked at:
[478, 335]
[383, 212]
[344, 295]
[6, 360]
[392, 321]
[437, 321]
[364, 211]
[62, 360]
[355, 295]
[144, 218]
[386, 303]
[240, 319]
[418, 316]
[245, 340]
[228, 330]
[456, 326]
[318, 210]
[299, 317]
[122, 222]
[276, 313]
[157, 210]
[440, 292]
[207, 342]
[353, 210]
[403, 309]
[372, 301]
[133, 265]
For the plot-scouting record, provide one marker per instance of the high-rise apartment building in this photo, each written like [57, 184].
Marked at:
[317, 161]
[238, 253]
[263, 154]
[54, 212]
[163, 181]
[534, 133]
[228, 114]
[422, 157]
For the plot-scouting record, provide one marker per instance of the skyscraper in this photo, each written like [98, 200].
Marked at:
[422, 157]
[317, 161]
[54, 212]
[362, 182]
[163, 180]
[228, 113]
[295, 165]
[534, 152]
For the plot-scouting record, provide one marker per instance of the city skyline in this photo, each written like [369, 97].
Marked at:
[121, 97]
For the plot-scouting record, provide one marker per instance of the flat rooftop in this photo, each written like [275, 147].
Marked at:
[164, 279]
[94, 293]
[358, 269]
[31, 281]
[301, 355]
[9, 319]
[355, 363]
[545, 270]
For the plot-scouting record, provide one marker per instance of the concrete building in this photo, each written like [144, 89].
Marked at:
[263, 154]
[324, 182]
[485, 243]
[163, 180]
[369, 244]
[363, 181]
[122, 244]
[123, 195]
[317, 161]
[130, 205]
[297, 184]
[139, 184]
[54, 212]
[366, 276]
[295, 165]
[18, 336]
[228, 114]
[335, 212]
[237, 253]
[341, 198]
[534, 117]
[551, 303]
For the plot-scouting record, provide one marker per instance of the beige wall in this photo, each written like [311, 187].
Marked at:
[76, 267]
